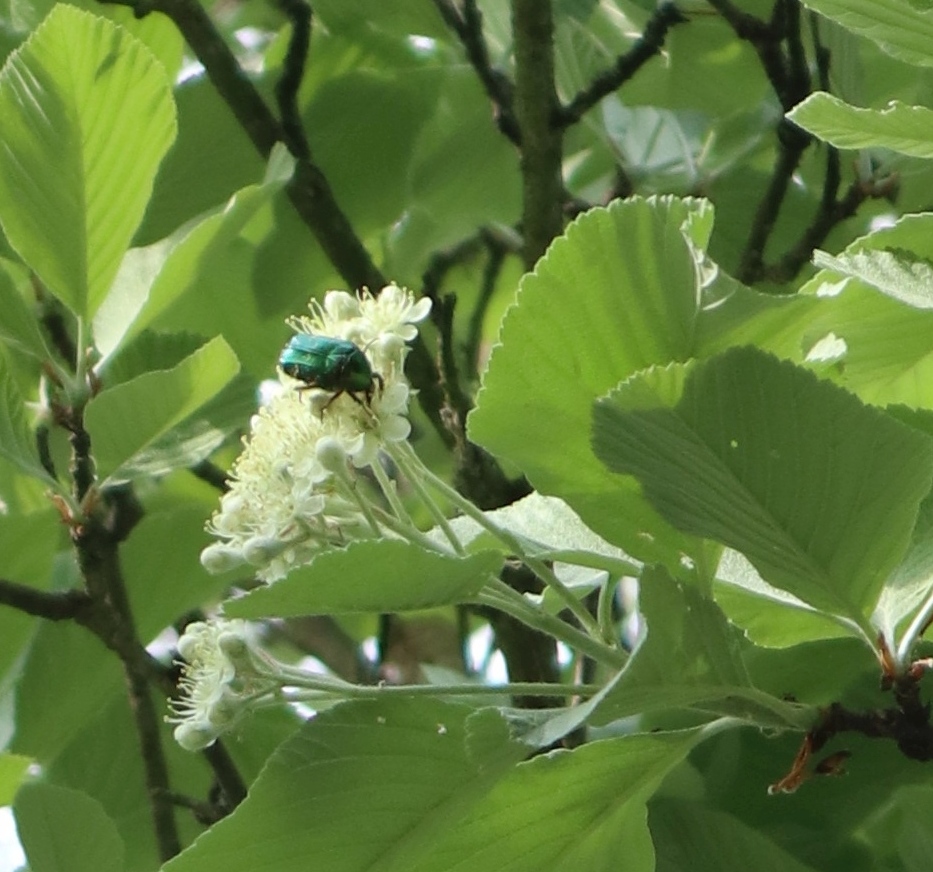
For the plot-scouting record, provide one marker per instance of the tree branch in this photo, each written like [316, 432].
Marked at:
[286, 89]
[536, 108]
[792, 142]
[53, 606]
[646, 47]
[468, 26]
[308, 190]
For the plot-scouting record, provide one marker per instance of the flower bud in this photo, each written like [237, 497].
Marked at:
[219, 557]
[331, 454]
[195, 736]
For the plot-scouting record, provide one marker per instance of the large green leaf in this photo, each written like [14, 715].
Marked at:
[127, 419]
[817, 490]
[690, 835]
[903, 128]
[770, 617]
[875, 297]
[88, 115]
[616, 293]
[567, 810]
[64, 829]
[380, 576]
[12, 772]
[691, 656]
[364, 786]
[899, 27]
[17, 442]
[18, 326]
[154, 279]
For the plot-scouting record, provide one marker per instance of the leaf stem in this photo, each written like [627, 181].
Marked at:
[403, 453]
[500, 596]
[913, 633]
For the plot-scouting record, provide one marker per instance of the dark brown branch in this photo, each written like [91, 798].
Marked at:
[792, 142]
[646, 47]
[468, 25]
[907, 724]
[53, 606]
[764, 37]
[293, 68]
[827, 217]
[211, 474]
[536, 107]
[228, 777]
[497, 254]
[790, 78]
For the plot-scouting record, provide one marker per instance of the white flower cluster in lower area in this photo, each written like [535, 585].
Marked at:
[224, 673]
[289, 489]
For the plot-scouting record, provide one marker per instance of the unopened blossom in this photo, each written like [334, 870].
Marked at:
[287, 500]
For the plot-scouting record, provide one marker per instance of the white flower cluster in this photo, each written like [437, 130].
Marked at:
[288, 495]
[223, 674]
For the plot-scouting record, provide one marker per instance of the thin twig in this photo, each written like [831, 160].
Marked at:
[53, 606]
[227, 775]
[646, 47]
[293, 68]
[791, 144]
[212, 474]
[468, 25]
[494, 263]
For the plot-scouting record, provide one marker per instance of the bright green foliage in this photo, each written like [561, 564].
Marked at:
[899, 127]
[88, 118]
[64, 829]
[719, 386]
[130, 417]
[818, 491]
[361, 756]
[557, 353]
[367, 577]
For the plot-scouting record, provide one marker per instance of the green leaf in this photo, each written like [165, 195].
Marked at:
[68, 676]
[690, 835]
[878, 306]
[84, 97]
[817, 490]
[363, 786]
[153, 279]
[769, 617]
[28, 546]
[900, 127]
[13, 770]
[691, 657]
[616, 293]
[547, 528]
[911, 582]
[64, 830]
[127, 419]
[897, 273]
[900, 835]
[381, 576]
[580, 809]
[896, 26]
[17, 442]
[19, 327]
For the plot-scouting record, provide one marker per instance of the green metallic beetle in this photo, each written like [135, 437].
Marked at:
[336, 365]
